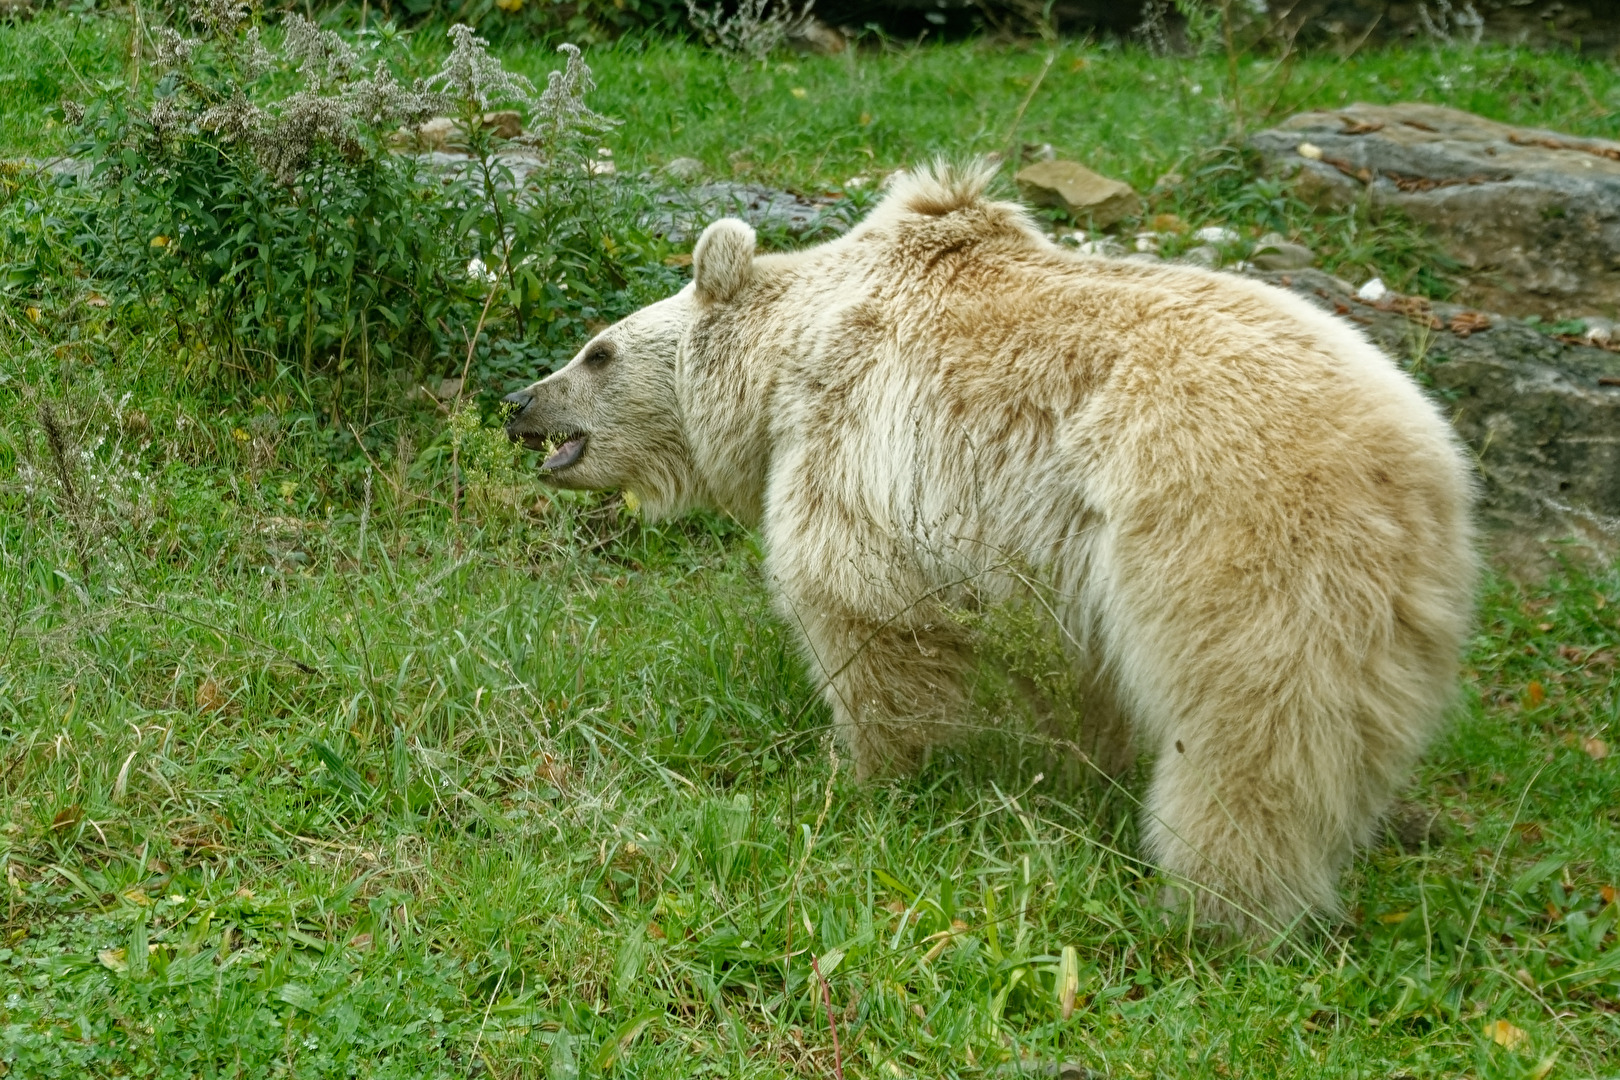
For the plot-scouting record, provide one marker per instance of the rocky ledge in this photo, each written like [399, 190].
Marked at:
[1533, 216]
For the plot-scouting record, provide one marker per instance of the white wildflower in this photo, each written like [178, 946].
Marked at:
[471, 75]
[320, 54]
[561, 112]
[256, 60]
[170, 49]
[754, 29]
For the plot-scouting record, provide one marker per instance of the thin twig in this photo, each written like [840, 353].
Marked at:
[1018, 117]
[307, 669]
[826, 1000]
[461, 388]
[499, 979]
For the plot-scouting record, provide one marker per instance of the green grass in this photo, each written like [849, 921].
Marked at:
[378, 794]
[297, 782]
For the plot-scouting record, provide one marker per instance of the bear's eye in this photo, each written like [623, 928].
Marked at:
[599, 354]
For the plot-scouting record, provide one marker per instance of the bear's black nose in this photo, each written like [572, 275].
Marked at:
[521, 399]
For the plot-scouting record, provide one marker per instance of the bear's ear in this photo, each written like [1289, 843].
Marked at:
[723, 260]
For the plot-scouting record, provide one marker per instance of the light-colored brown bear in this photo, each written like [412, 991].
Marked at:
[1253, 528]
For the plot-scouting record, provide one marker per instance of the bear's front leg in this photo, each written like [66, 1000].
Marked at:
[895, 686]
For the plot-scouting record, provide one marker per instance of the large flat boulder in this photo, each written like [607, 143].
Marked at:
[1533, 215]
[1541, 412]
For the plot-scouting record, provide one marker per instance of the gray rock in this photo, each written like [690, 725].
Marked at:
[1600, 331]
[1032, 152]
[814, 36]
[1533, 215]
[1207, 255]
[1079, 192]
[680, 215]
[685, 169]
[439, 133]
[505, 123]
[1542, 414]
[1275, 252]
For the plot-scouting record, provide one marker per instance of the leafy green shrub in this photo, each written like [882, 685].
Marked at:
[276, 231]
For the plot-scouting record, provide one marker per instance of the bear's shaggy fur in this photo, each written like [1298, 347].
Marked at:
[1251, 526]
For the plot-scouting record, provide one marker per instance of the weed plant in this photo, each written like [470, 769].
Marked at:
[252, 202]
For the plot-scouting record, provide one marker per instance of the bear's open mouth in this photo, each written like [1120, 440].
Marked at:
[567, 453]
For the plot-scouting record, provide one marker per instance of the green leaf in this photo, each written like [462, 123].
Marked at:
[342, 772]
[299, 997]
[620, 1041]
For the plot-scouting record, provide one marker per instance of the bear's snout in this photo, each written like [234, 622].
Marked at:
[520, 402]
[520, 399]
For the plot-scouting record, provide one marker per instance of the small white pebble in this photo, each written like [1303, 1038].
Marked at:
[1374, 291]
[1217, 234]
[1309, 150]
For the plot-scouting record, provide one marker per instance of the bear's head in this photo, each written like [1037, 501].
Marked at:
[612, 416]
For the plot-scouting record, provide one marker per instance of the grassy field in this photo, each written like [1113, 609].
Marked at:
[305, 773]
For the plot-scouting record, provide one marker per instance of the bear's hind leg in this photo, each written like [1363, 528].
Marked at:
[1262, 840]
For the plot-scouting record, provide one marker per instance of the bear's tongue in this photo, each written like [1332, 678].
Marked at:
[565, 454]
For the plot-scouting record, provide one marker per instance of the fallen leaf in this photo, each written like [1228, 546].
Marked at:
[682, 259]
[1467, 322]
[1544, 626]
[656, 932]
[113, 960]
[67, 817]
[1390, 918]
[360, 942]
[137, 897]
[1544, 1067]
[800, 92]
[210, 698]
[96, 301]
[1608, 892]
[1068, 981]
[1595, 748]
[1505, 1034]
[940, 940]
[1534, 694]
